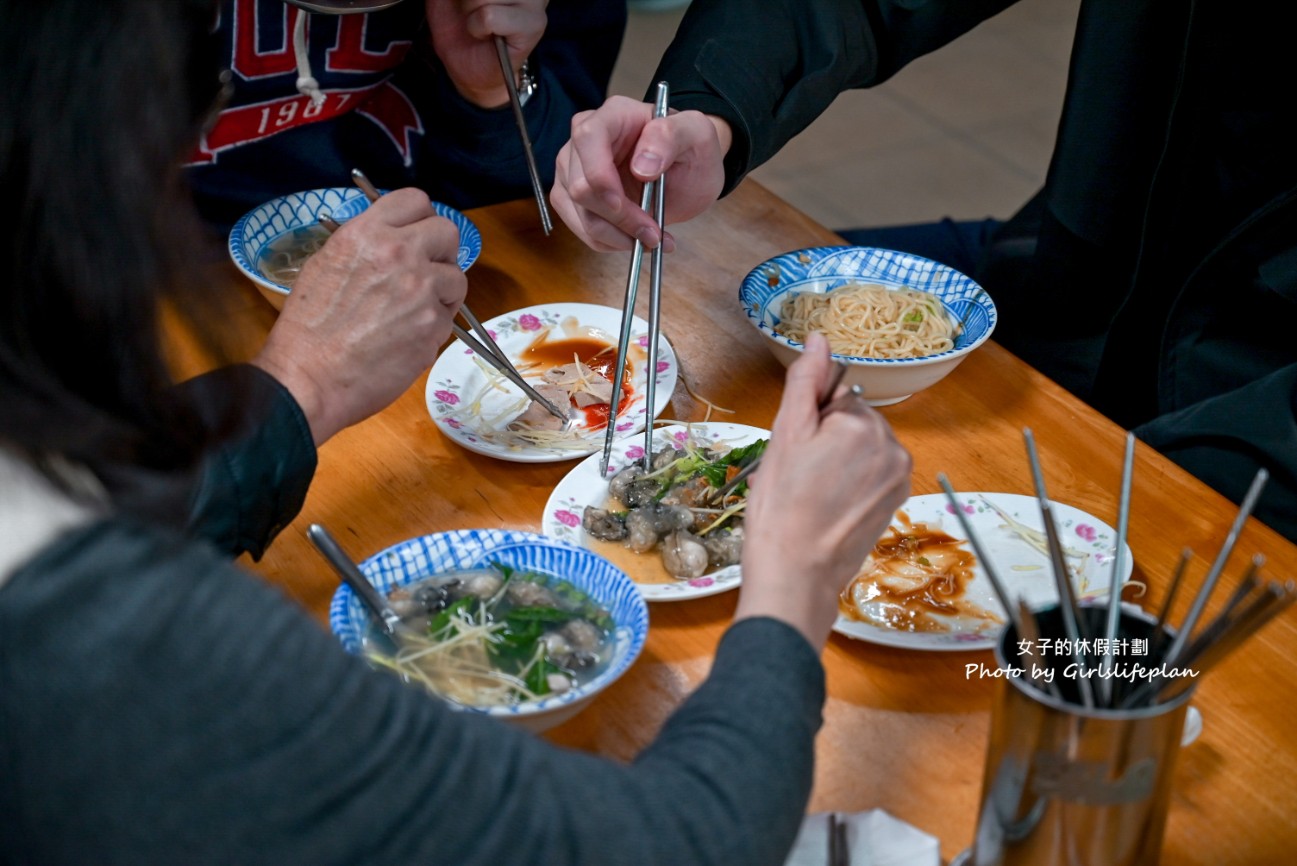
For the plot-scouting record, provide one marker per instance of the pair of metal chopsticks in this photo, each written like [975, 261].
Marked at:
[655, 194]
[826, 405]
[495, 356]
[502, 49]
[484, 345]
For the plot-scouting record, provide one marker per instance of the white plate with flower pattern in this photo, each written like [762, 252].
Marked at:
[474, 406]
[1025, 570]
[585, 486]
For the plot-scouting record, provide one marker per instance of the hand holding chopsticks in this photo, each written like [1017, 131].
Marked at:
[654, 193]
[826, 405]
[483, 344]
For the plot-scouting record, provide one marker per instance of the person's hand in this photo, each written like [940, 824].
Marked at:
[823, 495]
[368, 312]
[463, 36]
[615, 149]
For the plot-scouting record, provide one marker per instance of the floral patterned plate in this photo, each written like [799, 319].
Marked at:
[1025, 570]
[474, 406]
[583, 486]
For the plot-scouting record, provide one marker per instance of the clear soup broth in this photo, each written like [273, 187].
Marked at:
[496, 636]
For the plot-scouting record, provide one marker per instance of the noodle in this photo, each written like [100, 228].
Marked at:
[870, 321]
[282, 259]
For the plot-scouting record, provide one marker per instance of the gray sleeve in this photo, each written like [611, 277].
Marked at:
[158, 705]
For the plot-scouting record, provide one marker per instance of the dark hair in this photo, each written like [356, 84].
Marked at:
[99, 103]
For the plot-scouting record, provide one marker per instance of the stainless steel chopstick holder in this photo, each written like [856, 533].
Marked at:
[1069, 786]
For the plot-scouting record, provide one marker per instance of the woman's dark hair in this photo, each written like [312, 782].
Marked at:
[99, 103]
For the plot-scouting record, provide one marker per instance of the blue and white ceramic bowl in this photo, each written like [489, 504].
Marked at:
[418, 558]
[264, 224]
[822, 269]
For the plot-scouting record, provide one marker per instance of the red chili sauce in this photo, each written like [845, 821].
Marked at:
[598, 355]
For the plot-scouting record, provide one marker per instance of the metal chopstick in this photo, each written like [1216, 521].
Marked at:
[325, 217]
[1114, 586]
[1209, 582]
[509, 372]
[623, 339]
[1274, 599]
[502, 50]
[366, 186]
[1159, 628]
[1001, 591]
[486, 347]
[655, 296]
[1155, 642]
[1239, 625]
[1029, 630]
[839, 851]
[1066, 594]
[1226, 617]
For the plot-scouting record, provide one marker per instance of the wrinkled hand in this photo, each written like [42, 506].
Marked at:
[615, 149]
[463, 35]
[368, 312]
[824, 493]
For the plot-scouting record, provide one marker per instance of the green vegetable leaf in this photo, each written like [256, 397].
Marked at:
[522, 615]
[716, 473]
[537, 678]
[442, 622]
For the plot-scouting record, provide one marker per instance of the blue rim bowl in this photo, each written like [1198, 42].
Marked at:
[418, 558]
[822, 269]
[264, 224]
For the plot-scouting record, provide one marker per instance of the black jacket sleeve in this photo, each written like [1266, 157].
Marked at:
[254, 481]
[1224, 440]
[770, 67]
[170, 708]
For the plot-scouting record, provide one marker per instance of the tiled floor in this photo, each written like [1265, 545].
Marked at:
[963, 132]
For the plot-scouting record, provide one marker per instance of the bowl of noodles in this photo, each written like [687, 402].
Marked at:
[271, 242]
[509, 624]
[899, 321]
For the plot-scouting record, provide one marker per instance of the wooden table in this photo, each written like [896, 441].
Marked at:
[904, 731]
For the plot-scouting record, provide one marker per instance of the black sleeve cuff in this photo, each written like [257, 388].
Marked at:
[253, 483]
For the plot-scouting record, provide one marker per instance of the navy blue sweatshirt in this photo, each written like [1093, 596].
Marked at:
[389, 108]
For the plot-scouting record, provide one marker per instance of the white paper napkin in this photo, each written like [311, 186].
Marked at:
[875, 839]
